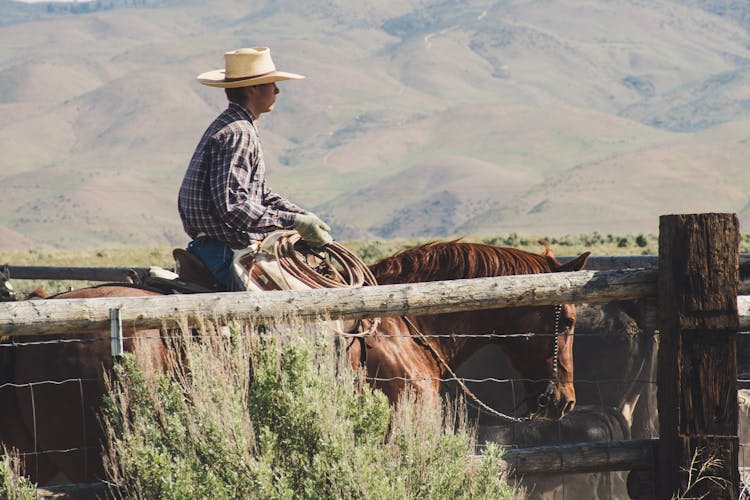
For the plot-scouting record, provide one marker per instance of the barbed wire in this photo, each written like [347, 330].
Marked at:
[43, 382]
[48, 452]
[106, 338]
[485, 380]
[407, 379]
[14, 343]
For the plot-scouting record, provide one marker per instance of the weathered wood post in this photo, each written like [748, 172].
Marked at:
[697, 373]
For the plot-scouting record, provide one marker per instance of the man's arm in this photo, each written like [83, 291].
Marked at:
[278, 202]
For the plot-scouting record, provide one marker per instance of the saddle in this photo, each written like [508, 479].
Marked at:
[190, 276]
[280, 262]
[191, 269]
[257, 267]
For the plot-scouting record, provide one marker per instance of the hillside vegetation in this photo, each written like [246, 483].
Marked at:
[416, 120]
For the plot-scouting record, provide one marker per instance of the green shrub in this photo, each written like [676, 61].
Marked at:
[309, 427]
[14, 486]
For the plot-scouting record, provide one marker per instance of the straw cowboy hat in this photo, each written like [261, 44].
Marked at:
[246, 67]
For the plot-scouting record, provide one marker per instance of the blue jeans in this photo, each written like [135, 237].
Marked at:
[217, 257]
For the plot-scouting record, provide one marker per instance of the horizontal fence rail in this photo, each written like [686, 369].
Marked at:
[138, 274]
[636, 454]
[83, 315]
[117, 274]
[36, 317]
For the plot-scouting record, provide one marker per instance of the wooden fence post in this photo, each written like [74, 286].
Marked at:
[697, 372]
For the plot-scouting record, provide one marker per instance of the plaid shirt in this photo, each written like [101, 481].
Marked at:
[224, 192]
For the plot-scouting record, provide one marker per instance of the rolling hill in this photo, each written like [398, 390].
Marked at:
[433, 118]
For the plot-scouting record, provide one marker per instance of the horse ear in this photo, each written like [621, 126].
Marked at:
[575, 264]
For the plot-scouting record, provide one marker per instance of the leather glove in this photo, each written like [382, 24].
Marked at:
[312, 230]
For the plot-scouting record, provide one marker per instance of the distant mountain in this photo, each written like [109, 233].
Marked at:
[430, 119]
[16, 12]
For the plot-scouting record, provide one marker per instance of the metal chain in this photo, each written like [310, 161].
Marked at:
[556, 351]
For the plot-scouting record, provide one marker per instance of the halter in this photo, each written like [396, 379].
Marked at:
[544, 398]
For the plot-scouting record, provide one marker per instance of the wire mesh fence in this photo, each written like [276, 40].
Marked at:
[489, 374]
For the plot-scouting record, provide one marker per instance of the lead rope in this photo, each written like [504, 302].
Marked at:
[358, 274]
[460, 382]
[543, 398]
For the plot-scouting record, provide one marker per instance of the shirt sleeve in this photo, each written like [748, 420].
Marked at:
[278, 202]
[236, 191]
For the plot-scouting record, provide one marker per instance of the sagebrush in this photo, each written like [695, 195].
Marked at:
[281, 414]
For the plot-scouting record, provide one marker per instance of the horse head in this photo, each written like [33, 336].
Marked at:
[544, 357]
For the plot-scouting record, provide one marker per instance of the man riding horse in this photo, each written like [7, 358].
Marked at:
[225, 203]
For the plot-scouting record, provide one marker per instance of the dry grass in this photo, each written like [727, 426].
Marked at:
[744, 484]
[702, 478]
[13, 485]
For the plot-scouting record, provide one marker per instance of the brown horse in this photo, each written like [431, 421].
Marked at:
[411, 356]
[51, 389]
[56, 425]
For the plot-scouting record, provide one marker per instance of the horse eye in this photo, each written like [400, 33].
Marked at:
[568, 322]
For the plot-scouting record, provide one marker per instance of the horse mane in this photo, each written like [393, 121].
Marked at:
[437, 261]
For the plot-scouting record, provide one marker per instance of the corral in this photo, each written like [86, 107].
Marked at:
[695, 289]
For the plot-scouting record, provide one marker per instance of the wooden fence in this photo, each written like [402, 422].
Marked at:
[137, 275]
[81, 315]
[695, 289]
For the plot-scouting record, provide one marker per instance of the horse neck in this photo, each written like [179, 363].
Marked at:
[452, 344]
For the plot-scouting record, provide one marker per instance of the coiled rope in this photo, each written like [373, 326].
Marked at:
[319, 269]
[334, 266]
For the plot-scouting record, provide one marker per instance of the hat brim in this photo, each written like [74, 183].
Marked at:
[216, 79]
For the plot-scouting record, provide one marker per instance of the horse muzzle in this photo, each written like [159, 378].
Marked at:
[556, 402]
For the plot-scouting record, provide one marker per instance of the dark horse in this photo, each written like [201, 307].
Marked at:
[56, 425]
[51, 389]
